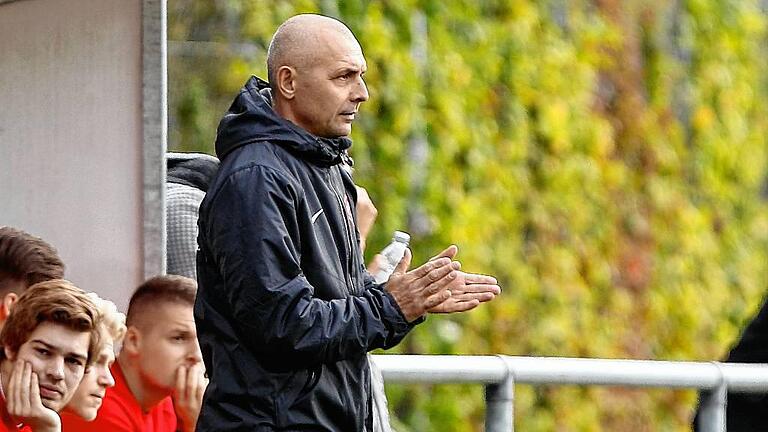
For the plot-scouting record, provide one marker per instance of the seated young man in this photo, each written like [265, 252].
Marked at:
[87, 399]
[47, 342]
[24, 261]
[158, 373]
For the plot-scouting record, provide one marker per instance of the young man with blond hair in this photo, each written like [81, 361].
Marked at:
[48, 340]
[90, 393]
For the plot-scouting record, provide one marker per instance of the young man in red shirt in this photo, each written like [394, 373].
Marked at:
[49, 338]
[86, 402]
[159, 378]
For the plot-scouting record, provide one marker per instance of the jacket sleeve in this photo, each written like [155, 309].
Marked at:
[253, 236]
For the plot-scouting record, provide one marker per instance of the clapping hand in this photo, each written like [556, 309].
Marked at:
[468, 290]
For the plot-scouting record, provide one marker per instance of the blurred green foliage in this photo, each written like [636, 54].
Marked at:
[606, 160]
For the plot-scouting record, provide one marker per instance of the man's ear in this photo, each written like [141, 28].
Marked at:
[9, 354]
[132, 341]
[9, 300]
[286, 82]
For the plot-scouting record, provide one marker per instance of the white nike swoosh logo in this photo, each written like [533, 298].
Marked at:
[316, 215]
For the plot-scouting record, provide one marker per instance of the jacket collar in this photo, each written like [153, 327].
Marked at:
[251, 119]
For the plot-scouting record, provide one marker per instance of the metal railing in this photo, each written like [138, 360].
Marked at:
[500, 373]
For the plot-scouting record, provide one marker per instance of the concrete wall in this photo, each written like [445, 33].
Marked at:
[72, 136]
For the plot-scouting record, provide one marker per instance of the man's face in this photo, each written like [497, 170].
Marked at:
[169, 341]
[58, 356]
[90, 393]
[330, 87]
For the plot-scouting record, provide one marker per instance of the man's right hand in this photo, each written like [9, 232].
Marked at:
[422, 288]
[23, 400]
[188, 395]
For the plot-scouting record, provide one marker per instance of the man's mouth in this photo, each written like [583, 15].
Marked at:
[50, 392]
[349, 114]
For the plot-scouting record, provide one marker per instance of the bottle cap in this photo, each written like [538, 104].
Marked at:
[402, 237]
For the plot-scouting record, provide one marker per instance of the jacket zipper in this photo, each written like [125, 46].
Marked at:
[348, 236]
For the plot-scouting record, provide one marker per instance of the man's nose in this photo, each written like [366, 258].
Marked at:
[194, 355]
[55, 369]
[106, 379]
[360, 92]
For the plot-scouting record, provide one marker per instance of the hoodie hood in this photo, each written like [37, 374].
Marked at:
[251, 119]
[196, 170]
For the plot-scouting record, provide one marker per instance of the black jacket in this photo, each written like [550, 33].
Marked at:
[748, 412]
[285, 310]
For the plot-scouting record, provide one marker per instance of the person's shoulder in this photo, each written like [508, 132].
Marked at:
[262, 172]
[264, 152]
[113, 416]
[118, 411]
[162, 418]
[74, 423]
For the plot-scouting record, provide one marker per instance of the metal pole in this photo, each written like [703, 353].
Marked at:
[154, 107]
[499, 406]
[712, 411]
[713, 401]
[739, 377]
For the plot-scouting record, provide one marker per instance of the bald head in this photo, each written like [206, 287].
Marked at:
[316, 69]
[300, 40]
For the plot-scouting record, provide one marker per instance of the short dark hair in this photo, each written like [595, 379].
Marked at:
[57, 301]
[160, 289]
[26, 258]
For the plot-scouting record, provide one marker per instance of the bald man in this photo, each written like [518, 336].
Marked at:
[285, 310]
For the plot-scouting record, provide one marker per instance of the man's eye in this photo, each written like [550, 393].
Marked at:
[43, 352]
[74, 361]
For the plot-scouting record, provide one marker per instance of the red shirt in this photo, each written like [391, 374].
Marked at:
[120, 412]
[5, 419]
[4, 428]
[6, 423]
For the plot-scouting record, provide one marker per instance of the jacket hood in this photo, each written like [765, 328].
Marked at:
[191, 169]
[251, 119]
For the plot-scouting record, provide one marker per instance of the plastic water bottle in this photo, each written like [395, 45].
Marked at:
[392, 254]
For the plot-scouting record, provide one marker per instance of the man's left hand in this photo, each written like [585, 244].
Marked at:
[468, 290]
